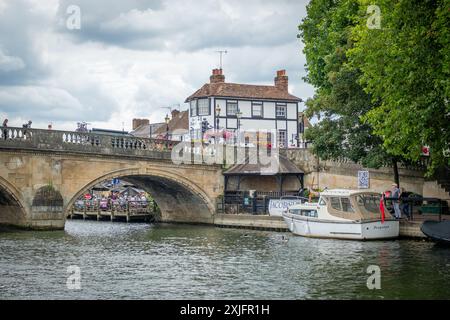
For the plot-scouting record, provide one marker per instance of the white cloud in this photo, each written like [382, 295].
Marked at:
[9, 63]
[131, 58]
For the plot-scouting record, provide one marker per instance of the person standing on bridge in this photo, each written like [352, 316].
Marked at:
[5, 129]
[26, 126]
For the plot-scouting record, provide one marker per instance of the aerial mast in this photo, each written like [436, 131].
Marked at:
[221, 53]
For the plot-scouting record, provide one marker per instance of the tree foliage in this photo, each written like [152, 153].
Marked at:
[405, 69]
[383, 93]
[340, 100]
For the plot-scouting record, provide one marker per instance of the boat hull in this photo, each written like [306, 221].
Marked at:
[351, 230]
[437, 231]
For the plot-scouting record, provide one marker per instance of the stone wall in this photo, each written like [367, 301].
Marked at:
[321, 174]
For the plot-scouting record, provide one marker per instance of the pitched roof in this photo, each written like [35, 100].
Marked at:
[143, 131]
[306, 121]
[285, 167]
[178, 123]
[235, 90]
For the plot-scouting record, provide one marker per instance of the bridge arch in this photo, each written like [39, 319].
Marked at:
[178, 198]
[12, 207]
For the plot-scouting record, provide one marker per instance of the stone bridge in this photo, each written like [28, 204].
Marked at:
[43, 172]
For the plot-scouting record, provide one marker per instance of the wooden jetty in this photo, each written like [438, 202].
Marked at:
[131, 211]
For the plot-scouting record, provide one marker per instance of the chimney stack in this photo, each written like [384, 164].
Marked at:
[139, 122]
[282, 80]
[175, 113]
[217, 76]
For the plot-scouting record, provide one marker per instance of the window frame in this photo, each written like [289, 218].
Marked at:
[193, 108]
[208, 106]
[284, 107]
[258, 104]
[338, 201]
[285, 142]
[229, 103]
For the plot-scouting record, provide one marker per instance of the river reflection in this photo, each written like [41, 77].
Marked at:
[138, 261]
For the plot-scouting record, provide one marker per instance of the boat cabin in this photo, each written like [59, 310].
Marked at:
[344, 204]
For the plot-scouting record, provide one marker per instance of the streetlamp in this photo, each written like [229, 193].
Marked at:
[167, 119]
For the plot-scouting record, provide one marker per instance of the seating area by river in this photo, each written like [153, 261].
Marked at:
[115, 204]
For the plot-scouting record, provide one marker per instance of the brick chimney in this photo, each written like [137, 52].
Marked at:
[175, 113]
[282, 80]
[217, 76]
[139, 122]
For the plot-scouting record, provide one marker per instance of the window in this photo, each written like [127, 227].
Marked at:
[257, 109]
[232, 124]
[232, 108]
[336, 203]
[193, 108]
[369, 202]
[322, 202]
[346, 205]
[301, 127]
[203, 107]
[310, 213]
[281, 110]
[281, 139]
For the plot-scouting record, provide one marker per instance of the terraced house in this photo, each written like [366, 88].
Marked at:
[244, 107]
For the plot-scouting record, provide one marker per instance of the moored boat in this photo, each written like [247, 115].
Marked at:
[438, 231]
[342, 214]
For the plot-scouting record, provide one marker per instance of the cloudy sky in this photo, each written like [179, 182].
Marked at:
[131, 58]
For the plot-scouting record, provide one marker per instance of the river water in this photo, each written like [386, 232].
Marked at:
[139, 261]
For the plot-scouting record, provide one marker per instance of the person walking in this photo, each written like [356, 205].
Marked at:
[5, 129]
[396, 200]
[404, 205]
[26, 126]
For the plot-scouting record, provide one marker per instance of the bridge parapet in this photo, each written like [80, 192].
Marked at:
[84, 142]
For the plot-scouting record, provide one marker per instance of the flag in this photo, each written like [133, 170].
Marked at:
[382, 209]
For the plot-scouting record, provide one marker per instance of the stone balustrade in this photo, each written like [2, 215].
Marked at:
[84, 142]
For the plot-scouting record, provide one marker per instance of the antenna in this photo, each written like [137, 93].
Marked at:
[221, 52]
[171, 107]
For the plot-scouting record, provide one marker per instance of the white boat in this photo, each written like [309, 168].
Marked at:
[342, 214]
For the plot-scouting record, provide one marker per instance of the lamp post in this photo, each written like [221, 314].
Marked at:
[167, 119]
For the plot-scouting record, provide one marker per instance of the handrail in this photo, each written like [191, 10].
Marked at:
[86, 142]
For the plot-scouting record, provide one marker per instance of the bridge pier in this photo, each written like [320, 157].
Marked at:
[47, 218]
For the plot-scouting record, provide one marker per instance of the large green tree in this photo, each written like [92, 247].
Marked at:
[405, 67]
[340, 101]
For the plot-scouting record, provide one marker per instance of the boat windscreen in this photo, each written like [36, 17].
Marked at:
[369, 205]
[370, 202]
